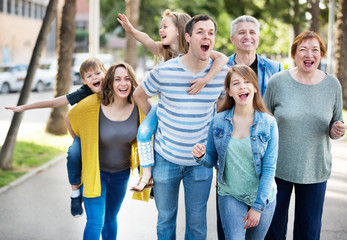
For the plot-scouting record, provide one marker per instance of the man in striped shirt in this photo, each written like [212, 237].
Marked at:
[183, 120]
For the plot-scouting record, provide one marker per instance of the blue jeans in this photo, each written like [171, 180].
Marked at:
[144, 137]
[309, 201]
[102, 211]
[232, 213]
[197, 183]
[74, 164]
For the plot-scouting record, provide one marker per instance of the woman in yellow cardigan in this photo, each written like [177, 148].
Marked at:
[107, 125]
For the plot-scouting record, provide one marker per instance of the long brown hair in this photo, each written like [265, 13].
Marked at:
[180, 20]
[247, 73]
[107, 93]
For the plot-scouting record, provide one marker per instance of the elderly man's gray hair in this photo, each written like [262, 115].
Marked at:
[244, 18]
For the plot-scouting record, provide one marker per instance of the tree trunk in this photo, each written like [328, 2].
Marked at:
[132, 10]
[56, 123]
[7, 149]
[315, 11]
[341, 49]
[296, 18]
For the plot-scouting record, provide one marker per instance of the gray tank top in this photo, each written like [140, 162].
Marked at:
[115, 140]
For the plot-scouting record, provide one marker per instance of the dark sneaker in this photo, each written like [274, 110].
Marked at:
[76, 206]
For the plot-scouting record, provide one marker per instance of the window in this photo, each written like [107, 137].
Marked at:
[9, 6]
[16, 7]
[1, 5]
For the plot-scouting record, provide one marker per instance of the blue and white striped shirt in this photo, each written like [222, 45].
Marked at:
[183, 119]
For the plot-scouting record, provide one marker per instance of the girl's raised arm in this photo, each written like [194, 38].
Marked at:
[142, 37]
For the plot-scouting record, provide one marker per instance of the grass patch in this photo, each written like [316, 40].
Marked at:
[33, 151]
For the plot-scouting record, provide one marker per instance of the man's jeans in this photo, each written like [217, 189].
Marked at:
[197, 183]
[232, 213]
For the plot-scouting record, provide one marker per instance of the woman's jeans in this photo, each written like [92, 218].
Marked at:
[309, 201]
[232, 213]
[197, 182]
[74, 164]
[102, 211]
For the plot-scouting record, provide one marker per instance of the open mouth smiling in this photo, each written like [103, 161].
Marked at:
[243, 96]
[308, 63]
[205, 47]
[96, 84]
[123, 90]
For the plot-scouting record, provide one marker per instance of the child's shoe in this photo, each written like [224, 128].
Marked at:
[76, 206]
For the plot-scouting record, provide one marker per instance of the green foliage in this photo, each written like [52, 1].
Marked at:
[276, 17]
[27, 155]
[81, 35]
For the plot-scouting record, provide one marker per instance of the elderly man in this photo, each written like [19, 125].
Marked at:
[245, 35]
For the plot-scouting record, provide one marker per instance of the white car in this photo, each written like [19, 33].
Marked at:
[12, 77]
[45, 75]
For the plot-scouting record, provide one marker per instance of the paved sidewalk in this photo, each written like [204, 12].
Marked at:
[37, 207]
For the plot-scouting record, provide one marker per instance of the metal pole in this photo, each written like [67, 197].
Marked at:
[94, 18]
[331, 38]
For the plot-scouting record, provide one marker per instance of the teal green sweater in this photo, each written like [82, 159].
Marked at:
[304, 114]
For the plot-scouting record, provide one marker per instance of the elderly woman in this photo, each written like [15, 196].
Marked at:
[307, 104]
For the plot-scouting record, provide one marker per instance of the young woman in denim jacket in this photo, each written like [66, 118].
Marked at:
[243, 142]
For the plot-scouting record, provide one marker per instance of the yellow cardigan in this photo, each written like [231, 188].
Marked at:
[84, 120]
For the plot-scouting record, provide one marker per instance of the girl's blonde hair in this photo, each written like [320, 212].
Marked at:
[246, 73]
[180, 20]
[107, 93]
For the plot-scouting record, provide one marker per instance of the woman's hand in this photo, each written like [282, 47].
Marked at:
[337, 130]
[198, 150]
[252, 219]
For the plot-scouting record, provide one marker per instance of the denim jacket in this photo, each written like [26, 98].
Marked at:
[264, 142]
[266, 68]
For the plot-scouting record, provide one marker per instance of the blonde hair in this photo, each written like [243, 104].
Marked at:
[107, 94]
[180, 20]
[247, 73]
[91, 64]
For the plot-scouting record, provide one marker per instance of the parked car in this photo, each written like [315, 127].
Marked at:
[78, 59]
[45, 75]
[12, 77]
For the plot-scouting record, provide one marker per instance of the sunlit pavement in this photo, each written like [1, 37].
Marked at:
[38, 206]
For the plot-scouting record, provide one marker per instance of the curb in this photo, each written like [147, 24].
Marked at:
[32, 173]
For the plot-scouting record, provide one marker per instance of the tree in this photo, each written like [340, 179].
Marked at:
[132, 10]
[7, 149]
[341, 49]
[315, 11]
[56, 122]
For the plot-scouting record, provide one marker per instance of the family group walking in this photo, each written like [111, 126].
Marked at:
[266, 130]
